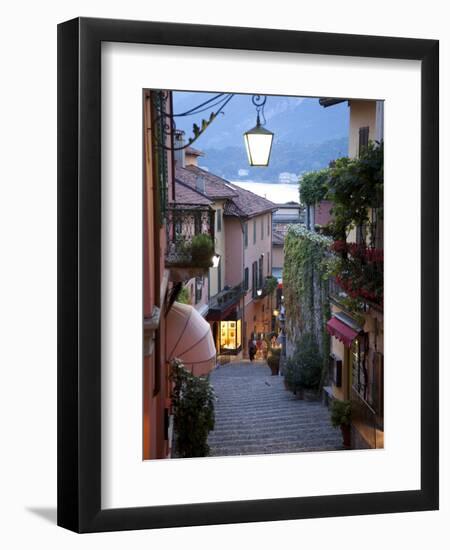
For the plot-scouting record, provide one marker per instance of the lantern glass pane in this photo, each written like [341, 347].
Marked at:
[258, 148]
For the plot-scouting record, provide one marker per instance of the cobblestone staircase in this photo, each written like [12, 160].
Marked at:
[256, 415]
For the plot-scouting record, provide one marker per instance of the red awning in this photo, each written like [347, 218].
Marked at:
[341, 331]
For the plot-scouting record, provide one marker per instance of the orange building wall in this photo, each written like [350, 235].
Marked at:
[155, 371]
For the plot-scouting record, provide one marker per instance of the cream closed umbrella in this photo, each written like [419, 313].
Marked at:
[189, 339]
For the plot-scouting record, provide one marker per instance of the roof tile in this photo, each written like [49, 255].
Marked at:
[247, 204]
[215, 187]
[186, 195]
[240, 202]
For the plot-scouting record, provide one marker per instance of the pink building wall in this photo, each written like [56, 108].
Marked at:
[256, 314]
[322, 214]
[258, 247]
[234, 245]
[234, 273]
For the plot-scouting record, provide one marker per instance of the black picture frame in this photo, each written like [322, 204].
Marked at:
[79, 274]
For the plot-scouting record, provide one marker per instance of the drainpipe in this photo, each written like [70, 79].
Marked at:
[179, 154]
[173, 138]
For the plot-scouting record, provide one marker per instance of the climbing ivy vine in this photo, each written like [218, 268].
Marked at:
[305, 286]
[314, 186]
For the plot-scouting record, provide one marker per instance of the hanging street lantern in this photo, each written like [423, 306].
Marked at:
[258, 140]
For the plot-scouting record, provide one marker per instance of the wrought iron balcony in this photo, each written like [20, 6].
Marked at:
[225, 299]
[338, 295]
[190, 237]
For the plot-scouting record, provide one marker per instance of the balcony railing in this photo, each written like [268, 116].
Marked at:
[338, 294]
[184, 224]
[225, 298]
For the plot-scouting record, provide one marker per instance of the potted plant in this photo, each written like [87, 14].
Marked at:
[202, 250]
[273, 360]
[341, 412]
[193, 401]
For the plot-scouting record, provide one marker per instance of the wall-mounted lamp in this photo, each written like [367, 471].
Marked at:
[216, 260]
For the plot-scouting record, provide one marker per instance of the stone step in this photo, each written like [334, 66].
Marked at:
[257, 450]
[238, 438]
[280, 428]
[256, 415]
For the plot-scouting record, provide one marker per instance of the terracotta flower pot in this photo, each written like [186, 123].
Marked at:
[274, 369]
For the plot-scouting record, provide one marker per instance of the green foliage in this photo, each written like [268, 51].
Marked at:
[314, 186]
[292, 375]
[183, 250]
[193, 408]
[270, 284]
[198, 130]
[305, 274]
[305, 366]
[341, 413]
[362, 280]
[355, 186]
[183, 296]
[202, 249]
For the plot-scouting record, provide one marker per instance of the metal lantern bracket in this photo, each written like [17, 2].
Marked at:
[167, 120]
[259, 102]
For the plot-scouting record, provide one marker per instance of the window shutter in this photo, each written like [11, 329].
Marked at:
[363, 138]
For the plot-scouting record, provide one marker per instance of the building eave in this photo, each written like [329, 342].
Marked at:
[330, 101]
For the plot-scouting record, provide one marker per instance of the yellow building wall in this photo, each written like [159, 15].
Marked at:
[362, 113]
[338, 350]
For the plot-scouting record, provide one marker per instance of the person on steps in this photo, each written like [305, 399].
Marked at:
[251, 349]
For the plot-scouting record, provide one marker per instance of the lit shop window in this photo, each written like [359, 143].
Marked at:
[230, 335]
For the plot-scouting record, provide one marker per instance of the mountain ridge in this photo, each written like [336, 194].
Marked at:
[307, 136]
